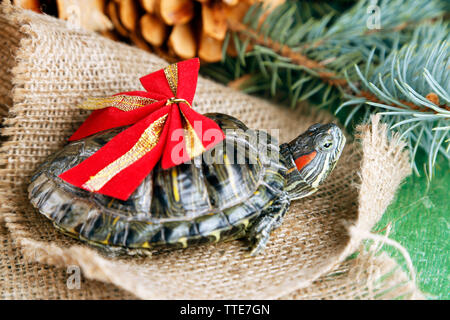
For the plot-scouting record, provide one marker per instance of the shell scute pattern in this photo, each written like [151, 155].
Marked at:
[174, 196]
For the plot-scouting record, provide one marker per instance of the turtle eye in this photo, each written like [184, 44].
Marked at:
[326, 144]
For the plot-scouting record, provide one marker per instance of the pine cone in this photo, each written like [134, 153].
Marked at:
[171, 28]
[176, 28]
[34, 5]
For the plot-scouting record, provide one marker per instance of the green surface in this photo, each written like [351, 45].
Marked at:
[420, 222]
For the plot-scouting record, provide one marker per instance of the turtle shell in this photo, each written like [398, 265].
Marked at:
[213, 197]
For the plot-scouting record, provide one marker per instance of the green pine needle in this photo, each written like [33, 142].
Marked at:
[331, 58]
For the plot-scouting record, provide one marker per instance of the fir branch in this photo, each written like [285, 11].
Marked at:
[323, 47]
[330, 60]
[285, 51]
[307, 41]
[410, 89]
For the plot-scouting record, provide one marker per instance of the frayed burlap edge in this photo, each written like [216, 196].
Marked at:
[372, 275]
[376, 148]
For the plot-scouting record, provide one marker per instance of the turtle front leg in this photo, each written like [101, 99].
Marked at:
[270, 219]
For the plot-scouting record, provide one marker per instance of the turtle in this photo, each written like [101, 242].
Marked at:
[241, 188]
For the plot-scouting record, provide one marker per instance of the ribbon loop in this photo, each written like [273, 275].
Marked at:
[155, 116]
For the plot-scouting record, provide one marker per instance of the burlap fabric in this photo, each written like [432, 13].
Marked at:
[48, 68]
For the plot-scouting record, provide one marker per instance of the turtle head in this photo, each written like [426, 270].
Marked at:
[311, 157]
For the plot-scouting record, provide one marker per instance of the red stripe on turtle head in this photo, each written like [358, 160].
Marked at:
[303, 161]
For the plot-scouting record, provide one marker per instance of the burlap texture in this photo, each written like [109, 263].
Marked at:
[21, 278]
[54, 68]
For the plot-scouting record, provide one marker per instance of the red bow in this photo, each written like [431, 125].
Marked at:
[164, 126]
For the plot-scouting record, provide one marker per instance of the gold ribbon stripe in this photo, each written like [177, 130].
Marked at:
[194, 145]
[171, 73]
[146, 143]
[121, 102]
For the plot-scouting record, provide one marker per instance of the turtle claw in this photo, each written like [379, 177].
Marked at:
[259, 246]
